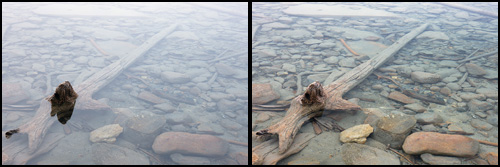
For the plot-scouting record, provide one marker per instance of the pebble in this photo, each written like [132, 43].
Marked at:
[474, 69]
[174, 77]
[167, 107]
[189, 160]
[454, 86]
[445, 91]
[267, 53]
[416, 107]
[440, 144]
[348, 62]
[397, 96]
[331, 60]
[479, 106]
[106, 133]
[289, 67]
[481, 125]
[262, 117]
[440, 160]
[424, 77]
[356, 134]
[428, 118]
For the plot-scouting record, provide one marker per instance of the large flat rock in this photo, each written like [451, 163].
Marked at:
[319, 10]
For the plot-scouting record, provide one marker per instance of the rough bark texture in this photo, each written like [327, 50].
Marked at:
[301, 110]
[38, 126]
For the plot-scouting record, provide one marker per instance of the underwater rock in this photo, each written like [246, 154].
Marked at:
[187, 143]
[106, 133]
[440, 144]
[356, 134]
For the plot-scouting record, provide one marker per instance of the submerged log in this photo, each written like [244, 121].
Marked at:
[267, 153]
[316, 98]
[38, 126]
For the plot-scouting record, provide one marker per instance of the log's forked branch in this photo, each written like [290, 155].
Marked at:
[302, 108]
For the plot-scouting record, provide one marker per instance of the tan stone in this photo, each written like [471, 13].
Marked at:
[356, 134]
[106, 133]
[440, 144]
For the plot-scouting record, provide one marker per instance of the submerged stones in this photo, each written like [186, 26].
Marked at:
[188, 143]
[440, 144]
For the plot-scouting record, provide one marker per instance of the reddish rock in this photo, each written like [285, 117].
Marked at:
[401, 97]
[263, 93]
[492, 158]
[150, 97]
[187, 143]
[440, 144]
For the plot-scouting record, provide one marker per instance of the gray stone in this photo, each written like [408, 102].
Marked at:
[440, 160]
[424, 77]
[331, 60]
[416, 107]
[359, 154]
[326, 45]
[189, 160]
[175, 77]
[474, 69]
[393, 129]
[481, 125]
[428, 118]
[110, 154]
[142, 129]
[454, 86]
[289, 67]
[167, 107]
[348, 62]
[479, 106]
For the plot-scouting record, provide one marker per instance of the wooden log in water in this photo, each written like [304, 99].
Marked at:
[299, 112]
[38, 126]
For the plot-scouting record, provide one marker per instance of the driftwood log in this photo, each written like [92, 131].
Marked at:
[305, 106]
[38, 126]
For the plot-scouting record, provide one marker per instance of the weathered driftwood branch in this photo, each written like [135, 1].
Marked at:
[267, 153]
[38, 126]
[300, 111]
